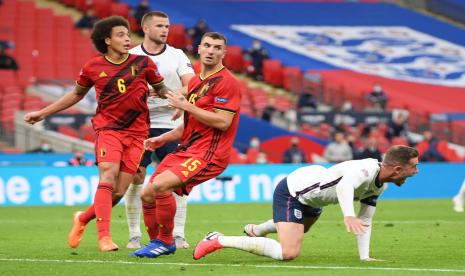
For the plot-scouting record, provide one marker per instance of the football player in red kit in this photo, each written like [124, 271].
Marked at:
[210, 124]
[121, 120]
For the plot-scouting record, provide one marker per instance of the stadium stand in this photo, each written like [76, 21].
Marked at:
[331, 85]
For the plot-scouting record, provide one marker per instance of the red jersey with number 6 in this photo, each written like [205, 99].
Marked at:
[121, 92]
[218, 92]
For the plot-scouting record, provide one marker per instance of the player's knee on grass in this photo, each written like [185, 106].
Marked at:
[290, 253]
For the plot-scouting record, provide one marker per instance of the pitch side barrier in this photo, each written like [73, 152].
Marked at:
[239, 183]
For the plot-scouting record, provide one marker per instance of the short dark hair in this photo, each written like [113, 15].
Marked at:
[102, 30]
[215, 35]
[399, 155]
[152, 14]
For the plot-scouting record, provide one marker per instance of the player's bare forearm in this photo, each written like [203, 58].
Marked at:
[174, 134]
[219, 120]
[66, 101]
[62, 103]
[160, 89]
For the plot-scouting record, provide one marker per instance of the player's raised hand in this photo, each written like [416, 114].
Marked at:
[354, 225]
[33, 117]
[176, 100]
[153, 143]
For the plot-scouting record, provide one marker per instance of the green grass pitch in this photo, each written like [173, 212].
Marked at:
[419, 237]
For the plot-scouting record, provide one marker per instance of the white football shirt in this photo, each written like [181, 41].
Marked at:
[316, 185]
[172, 63]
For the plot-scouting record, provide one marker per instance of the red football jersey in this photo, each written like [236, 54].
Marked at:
[121, 92]
[218, 91]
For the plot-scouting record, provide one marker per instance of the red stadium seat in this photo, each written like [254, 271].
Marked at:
[273, 72]
[399, 141]
[102, 8]
[177, 36]
[234, 59]
[121, 9]
[292, 79]
[8, 77]
[66, 130]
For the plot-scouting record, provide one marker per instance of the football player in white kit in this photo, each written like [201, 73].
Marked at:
[298, 200]
[176, 70]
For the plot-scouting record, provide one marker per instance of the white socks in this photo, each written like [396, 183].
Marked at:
[256, 245]
[265, 228]
[461, 193]
[180, 218]
[133, 209]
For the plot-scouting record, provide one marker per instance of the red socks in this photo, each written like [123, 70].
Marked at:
[102, 207]
[150, 219]
[165, 212]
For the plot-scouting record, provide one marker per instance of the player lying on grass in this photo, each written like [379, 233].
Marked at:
[298, 200]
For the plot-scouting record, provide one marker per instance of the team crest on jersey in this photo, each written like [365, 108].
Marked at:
[297, 213]
[135, 70]
[102, 74]
[190, 65]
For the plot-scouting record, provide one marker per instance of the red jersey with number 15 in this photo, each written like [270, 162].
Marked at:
[219, 91]
[121, 92]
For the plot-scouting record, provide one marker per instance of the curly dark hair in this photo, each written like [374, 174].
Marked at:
[102, 30]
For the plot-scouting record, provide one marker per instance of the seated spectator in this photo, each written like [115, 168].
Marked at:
[370, 150]
[338, 150]
[7, 62]
[378, 97]
[139, 12]
[261, 158]
[269, 110]
[196, 34]
[346, 106]
[294, 154]
[87, 20]
[257, 54]
[398, 126]
[306, 102]
[253, 150]
[79, 159]
[431, 152]
[45, 147]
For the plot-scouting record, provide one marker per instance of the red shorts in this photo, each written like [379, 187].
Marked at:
[192, 170]
[122, 148]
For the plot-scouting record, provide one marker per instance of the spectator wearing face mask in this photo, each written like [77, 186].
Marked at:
[378, 97]
[294, 154]
[253, 150]
[257, 54]
[79, 160]
[370, 150]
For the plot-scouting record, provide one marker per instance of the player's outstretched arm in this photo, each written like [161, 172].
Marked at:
[66, 101]
[345, 196]
[366, 214]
